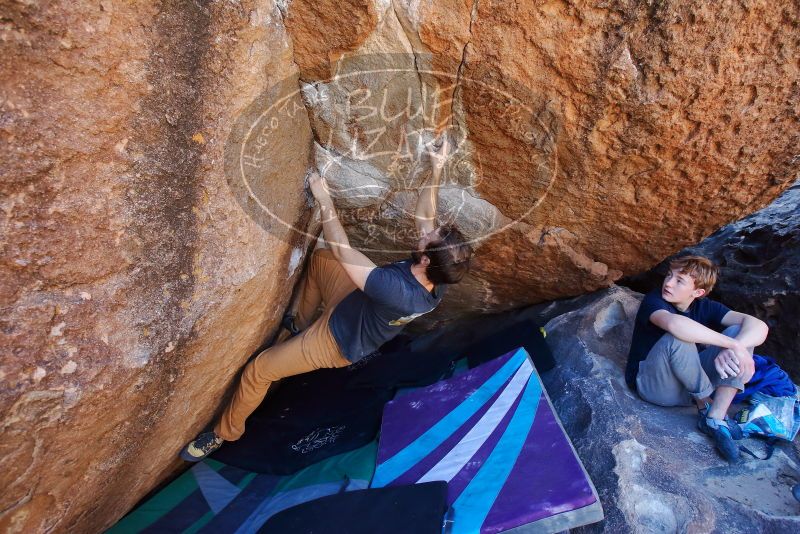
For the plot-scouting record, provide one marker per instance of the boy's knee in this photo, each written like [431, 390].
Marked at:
[671, 349]
[679, 344]
[747, 377]
[680, 351]
[732, 331]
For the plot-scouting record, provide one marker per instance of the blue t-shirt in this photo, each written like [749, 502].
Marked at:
[707, 312]
[392, 298]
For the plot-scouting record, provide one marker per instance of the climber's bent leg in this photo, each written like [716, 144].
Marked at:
[313, 349]
[326, 282]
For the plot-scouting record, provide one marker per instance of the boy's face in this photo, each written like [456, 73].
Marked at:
[678, 288]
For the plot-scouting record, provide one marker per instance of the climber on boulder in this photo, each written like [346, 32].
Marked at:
[686, 347]
[364, 305]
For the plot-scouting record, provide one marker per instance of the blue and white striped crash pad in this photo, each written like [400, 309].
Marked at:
[492, 434]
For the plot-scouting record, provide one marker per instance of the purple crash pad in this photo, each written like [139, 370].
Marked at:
[491, 433]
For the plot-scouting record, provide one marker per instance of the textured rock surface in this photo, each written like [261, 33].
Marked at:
[653, 470]
[132, 286]
[616, 134]
[759, 259]
[135, 281]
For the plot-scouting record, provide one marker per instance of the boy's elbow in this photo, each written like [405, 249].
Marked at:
[757, 323]
[758, 327]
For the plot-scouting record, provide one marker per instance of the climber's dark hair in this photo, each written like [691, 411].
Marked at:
[449, 256]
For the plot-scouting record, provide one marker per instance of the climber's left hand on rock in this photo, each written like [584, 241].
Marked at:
[319, 187]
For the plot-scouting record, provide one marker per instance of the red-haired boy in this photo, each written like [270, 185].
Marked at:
[686, 347]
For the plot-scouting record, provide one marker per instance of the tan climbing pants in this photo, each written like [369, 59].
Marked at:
[326, 283]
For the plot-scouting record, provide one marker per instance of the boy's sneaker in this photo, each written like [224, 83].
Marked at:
[202, 446]
[723, 436]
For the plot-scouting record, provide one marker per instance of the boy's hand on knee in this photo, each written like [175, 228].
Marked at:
[744, 356]
[747, 366]
[726, 364]
[736, 362]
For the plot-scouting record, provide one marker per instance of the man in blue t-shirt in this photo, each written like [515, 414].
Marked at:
[686, 347]
[364, 305]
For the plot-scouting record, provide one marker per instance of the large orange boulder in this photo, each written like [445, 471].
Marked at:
[592, 141]
[134, 286]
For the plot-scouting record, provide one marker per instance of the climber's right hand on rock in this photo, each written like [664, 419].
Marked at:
[440, 148]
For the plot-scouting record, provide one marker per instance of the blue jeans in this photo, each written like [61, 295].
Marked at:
[675, 373]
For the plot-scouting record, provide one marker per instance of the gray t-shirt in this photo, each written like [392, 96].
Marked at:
[392, 298]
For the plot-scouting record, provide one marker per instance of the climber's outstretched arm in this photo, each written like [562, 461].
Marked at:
[425, 215]
[356, 265]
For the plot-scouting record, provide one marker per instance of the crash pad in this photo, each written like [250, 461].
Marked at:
[492, 434]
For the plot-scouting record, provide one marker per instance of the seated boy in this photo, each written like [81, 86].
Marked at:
[686, 347]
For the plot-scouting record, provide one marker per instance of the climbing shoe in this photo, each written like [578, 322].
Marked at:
[288, 323]
[734, 427]
[723, 436]
[202, 446]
